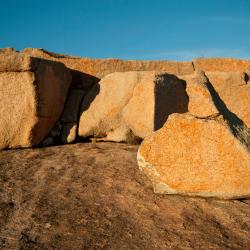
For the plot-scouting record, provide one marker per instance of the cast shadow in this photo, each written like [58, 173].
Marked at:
[82, 80]
[88, 99]
[169, 98]
[237, 126]
[233, 120]
[90, 84]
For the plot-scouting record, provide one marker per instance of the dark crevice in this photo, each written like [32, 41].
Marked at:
[245, 77]
[210, 117]
[85, 104]
[193, 66]
[229, 116]
[170, 97]
[81, 81]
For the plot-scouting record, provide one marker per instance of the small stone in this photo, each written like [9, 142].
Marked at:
[47, 225]
[69, 132]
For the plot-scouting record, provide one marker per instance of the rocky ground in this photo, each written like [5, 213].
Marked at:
[92, 196]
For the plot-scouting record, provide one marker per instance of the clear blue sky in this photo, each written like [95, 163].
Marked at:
[129, 29]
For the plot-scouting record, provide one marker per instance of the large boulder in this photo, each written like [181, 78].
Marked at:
[197, 157]
[82, 77]
[225, 74]
[131, 105]
[32, 96]
[204, 152]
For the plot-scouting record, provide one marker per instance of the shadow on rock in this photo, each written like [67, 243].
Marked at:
[237, 126]
[82, 80]
[169, 98]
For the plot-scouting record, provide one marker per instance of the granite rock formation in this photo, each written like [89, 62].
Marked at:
[129, 105]
[196, 113]
[32, 96]
[197, 157]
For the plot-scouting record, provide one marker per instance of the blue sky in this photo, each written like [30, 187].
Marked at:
[129, 29]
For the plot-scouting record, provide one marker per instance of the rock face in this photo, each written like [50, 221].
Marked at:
[206, 151]
[102, 67]
[70, 115]
[194, 156]
[7, 50]
[32, 96]
[124, 106]
[200, 102]
[12, 61]
[221, 65]
[227, 75]
[234, 90]
[131, 105]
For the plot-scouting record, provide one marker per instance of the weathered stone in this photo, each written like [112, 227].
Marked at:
[201, 102]
[221, 64]
[10, 61]
[102, 107]
[193, 156]
[72, 105]
[30, 101]
[133, 101]
[7, 50]
[233, 88]
[69, 132]
[81, 78]
[65, 130]
[154, 99]
[120, 134]
[102, 67]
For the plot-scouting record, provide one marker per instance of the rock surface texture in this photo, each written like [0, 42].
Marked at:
[200, 101]
[70, 115]
[32, 96]
[102, 67]
[196, 156]
[131, 105]
[233, 89]
[227, 78]
[194, 118]
[221, 65]
[93, 196]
